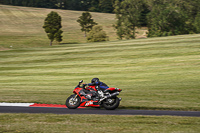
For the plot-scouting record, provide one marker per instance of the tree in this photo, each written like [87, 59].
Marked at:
[106, 6]
[94, 6]
[128, 15]
[86, 22]
[58, 36]
[97, 34]
[166, 19]
[197, 23]
[52, 26]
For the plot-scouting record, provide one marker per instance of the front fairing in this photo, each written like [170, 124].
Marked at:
[77, 90]
[84, 101]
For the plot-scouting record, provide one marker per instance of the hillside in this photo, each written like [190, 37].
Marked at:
[154, 73]
[22, 26]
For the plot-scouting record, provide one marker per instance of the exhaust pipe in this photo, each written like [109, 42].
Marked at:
[111, 95]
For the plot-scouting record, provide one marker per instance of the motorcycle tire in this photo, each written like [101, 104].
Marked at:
[72, 103]
[112, 105]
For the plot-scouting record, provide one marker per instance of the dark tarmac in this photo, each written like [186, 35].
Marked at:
[98, 111]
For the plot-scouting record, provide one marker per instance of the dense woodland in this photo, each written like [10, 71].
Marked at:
[162, 17]
[81, 5]
[99, 5]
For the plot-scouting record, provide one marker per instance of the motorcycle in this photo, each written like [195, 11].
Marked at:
[93, 96]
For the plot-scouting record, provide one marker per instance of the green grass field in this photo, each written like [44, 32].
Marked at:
[51, 123]
[154, 73]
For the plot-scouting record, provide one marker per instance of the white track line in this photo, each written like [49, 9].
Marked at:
[17, 104]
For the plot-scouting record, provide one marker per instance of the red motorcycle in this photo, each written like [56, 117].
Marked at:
[92, 96]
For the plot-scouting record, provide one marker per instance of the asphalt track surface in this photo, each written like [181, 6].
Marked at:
[14, 109]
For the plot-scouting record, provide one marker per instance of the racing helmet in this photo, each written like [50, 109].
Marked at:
[95, 80]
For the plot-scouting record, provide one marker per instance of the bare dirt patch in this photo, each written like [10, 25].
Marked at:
[4, 49]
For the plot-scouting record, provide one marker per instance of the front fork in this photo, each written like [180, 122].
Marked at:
[76, 96]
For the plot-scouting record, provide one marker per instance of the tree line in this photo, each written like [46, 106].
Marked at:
[80, 5]
[161, 17]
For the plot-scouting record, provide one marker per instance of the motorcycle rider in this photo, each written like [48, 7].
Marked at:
[98, 85]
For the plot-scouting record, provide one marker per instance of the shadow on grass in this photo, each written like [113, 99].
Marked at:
[69, 43]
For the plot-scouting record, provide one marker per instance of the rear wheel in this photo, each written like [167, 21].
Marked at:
[73, 101]
[111, 103]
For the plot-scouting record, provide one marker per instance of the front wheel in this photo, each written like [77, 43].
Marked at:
[73, 101]
[111, 103]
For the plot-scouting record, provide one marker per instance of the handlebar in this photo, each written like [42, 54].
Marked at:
[80, 82]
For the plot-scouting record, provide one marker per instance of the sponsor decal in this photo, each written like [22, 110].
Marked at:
[89, 103]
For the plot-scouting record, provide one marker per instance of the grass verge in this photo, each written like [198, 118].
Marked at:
[48, 123]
